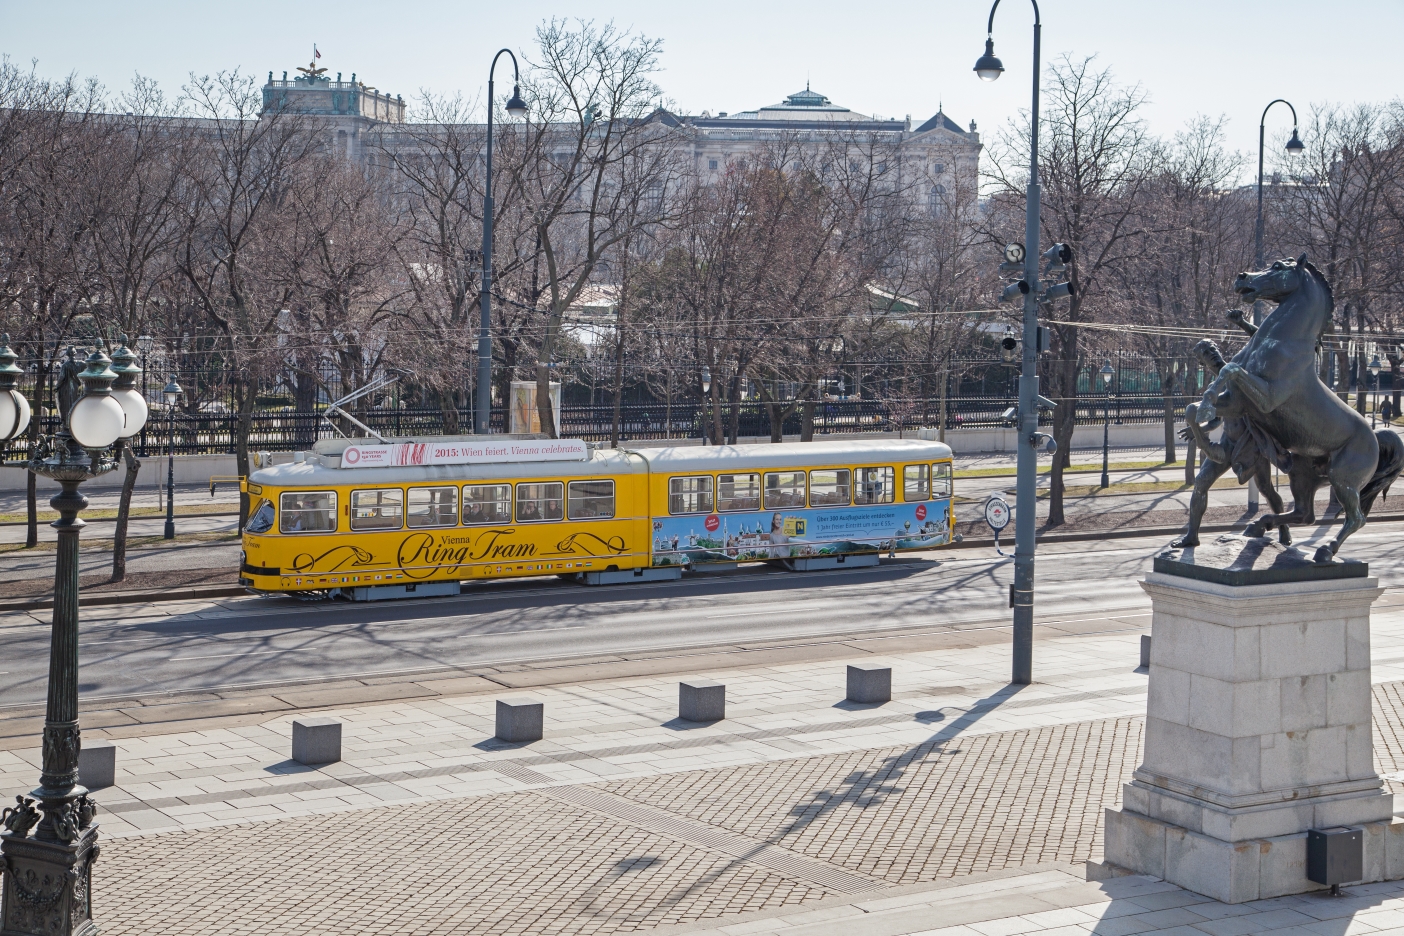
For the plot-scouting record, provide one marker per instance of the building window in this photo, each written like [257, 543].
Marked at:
[711, 164]
[591, 500]
[377, 510]
[938, 168]
[487, 503]
[690, 495]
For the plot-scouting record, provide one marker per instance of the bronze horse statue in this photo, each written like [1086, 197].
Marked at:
[1273, 383]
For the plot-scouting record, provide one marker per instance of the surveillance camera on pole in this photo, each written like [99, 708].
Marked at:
[1057, 258]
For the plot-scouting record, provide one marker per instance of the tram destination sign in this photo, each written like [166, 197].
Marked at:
[397, 454]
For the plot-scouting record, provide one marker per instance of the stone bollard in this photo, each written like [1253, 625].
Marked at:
[520, 720]
[701, 701]
[1145, 650]
[868, 685]
[316, 740]
[97, 764]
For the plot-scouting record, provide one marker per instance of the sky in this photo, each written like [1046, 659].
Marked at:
[885, 57]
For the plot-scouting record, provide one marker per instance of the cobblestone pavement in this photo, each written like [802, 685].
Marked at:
[634, 855]
[793, 809]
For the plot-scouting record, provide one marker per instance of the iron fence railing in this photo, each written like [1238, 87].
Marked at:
[282, 430]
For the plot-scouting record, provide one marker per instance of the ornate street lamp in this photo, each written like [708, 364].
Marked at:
[14, 408]
[516, 107]
[48, 875]
[172, 394]
[989, 68]
[144, 344]
[1107, 374]
[1375, 376]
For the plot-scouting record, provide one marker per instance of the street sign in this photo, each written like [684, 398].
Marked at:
[997, 513]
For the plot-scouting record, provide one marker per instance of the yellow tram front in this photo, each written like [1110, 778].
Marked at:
[325, 522]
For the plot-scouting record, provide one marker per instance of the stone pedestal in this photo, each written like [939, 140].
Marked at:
[1257, 730]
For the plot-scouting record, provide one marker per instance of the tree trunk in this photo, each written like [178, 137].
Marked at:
[1191, 450]
[1394, 385]
[1362, 383]
[1169, 430]
[448, 412]
[1064, 421]
[807, 421]
[124, 510]
[618, 386]
[945, 382]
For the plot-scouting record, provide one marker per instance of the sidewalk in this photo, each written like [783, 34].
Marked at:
[963, 803]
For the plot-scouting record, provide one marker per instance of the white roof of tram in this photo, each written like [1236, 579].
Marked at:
[316, 472]
[791, 454]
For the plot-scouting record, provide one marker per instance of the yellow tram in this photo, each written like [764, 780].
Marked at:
[417, 517]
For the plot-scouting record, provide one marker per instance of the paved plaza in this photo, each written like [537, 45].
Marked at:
[964, 805]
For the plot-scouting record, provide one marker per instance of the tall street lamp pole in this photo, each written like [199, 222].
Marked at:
[989, 68]
[1375, 397]
[48, 875]
[1294, 148]
[516, 107]
[172, 394]
[1107, 375]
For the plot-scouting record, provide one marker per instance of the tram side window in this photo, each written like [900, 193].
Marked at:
[590, 500]
[875, 486]
[308, 512]
[829, 488]
[432, 507]
[381, 509]
[916, 483]
[689, 495]
[941, 479]
[738, 492]
[260, 518]
[487, 503]
[536, 502]
[784, 489]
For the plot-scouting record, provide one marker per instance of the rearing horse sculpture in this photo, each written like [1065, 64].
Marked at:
[1274, 383]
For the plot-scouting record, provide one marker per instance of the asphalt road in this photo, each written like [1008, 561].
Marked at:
[150, 649]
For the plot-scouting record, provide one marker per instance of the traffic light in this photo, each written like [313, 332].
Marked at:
[1057, 291]
[1014, 291]
[1009, 348]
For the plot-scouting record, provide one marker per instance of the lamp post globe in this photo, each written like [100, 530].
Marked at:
[14, 407]
[1374, 367]
[988, 66]
[1295, 146]
[124, 391]
[515, 106]
[96, 420]
[172, 392]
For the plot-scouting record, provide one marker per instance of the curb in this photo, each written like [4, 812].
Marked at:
[134, 597]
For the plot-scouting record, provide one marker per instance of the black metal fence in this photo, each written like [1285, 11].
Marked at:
[283, 430]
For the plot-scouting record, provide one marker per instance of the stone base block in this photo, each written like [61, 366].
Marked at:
[1145, 650]
[870, 685]
[97, 764]
[316, 740]
[701, 701]
[1235, 872]
[520, 720]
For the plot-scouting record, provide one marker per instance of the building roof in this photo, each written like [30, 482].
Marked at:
[939, 121]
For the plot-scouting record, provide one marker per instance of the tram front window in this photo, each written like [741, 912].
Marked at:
[307, 512]
[738, 492]
[487, 503]
[260, 518]
[380, 509]
[432, 507]
[538, 502]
